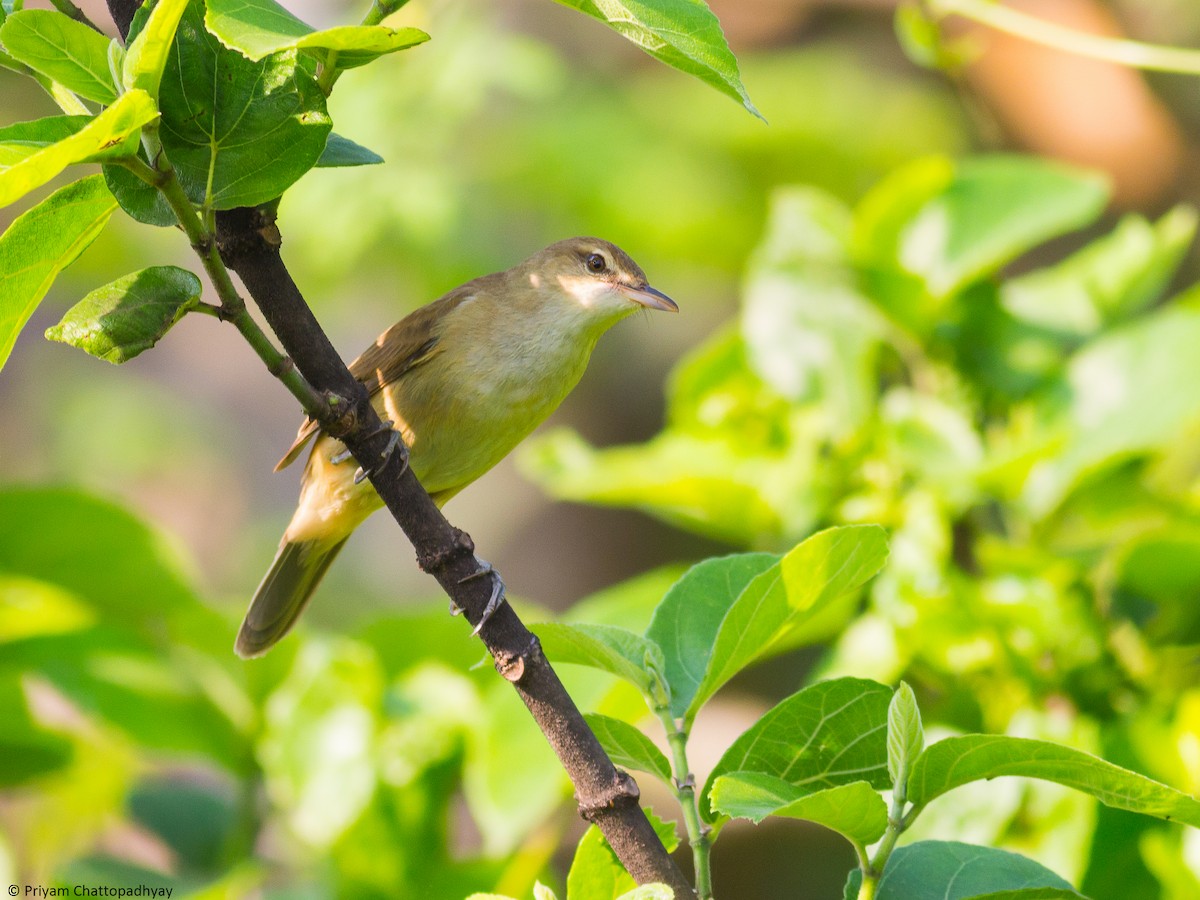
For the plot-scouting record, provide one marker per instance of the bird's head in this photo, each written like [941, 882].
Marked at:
[594, 276]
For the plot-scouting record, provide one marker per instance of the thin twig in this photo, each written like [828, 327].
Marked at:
[1121, 51]
[232, 308]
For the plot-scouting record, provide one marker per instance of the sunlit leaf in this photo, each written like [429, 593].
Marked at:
[830, 734]
[30, 607]
[147, 54]
[1097, 413]
[959, 760]
[854, 810]
[952, 223]
[906, 737]
[809, 331]
[628, 747]
[687, 621]
[258, 28]
[993, 211]
[23, 139]
[606, 647]
[41, 243]
[682, 33]
[320, 739]
[783, 602]
[597, 874]
[112, 133]
[28, 750]
[62, 49]
[1114, 276]
[705, 483]
[127, 316]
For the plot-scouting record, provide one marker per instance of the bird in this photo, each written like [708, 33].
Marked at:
[461, 381]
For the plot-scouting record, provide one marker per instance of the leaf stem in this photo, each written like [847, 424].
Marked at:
[684, 783]
[1121, 51]
[329, 72]
[161, 175]
[898, 822]
[68, 8]
[380, 10]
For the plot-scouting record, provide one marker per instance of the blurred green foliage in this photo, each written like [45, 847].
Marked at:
[1025, 432]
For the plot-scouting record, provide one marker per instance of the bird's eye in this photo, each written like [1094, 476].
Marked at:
[596, 263]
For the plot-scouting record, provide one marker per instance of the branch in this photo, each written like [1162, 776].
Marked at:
[249, 243]
[122, 14]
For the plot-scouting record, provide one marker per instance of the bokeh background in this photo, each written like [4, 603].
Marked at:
[520, 123]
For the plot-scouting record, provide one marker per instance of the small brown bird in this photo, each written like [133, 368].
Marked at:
[463, 380]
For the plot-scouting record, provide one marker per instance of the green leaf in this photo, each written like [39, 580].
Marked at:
[597, 874]
[28, 750]
[948, 870]
[919, 35]
[906, 737]
[341, 152]
[628, 747]
[989, 212]
[30, 608]
[41, 243]
[959, 760]
[995, 210]
[1096, 414]
[686, 623]
[131, 656]
[682, 33]
[829, 734]
[605, 647]
[854, 810]
[23, 139]
[1114, 276]
[653, 891]
[239, 133]
[258, 28]
[97, 551]
[332, 698]
[112, 133]
[148, 51]
[1043, 893]
[809, 331]
[62, 49]
[780, 604]
[142, 202]
[701, 482]
[120, 320]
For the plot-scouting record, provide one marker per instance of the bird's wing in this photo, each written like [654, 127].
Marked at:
[407, 344]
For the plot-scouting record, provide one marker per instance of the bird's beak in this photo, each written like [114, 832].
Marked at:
[648, 297]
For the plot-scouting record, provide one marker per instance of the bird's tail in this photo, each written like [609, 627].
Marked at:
[283, 593]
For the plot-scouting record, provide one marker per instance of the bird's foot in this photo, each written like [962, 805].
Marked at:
[484, 570]
[344, 454]
[394, 442]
